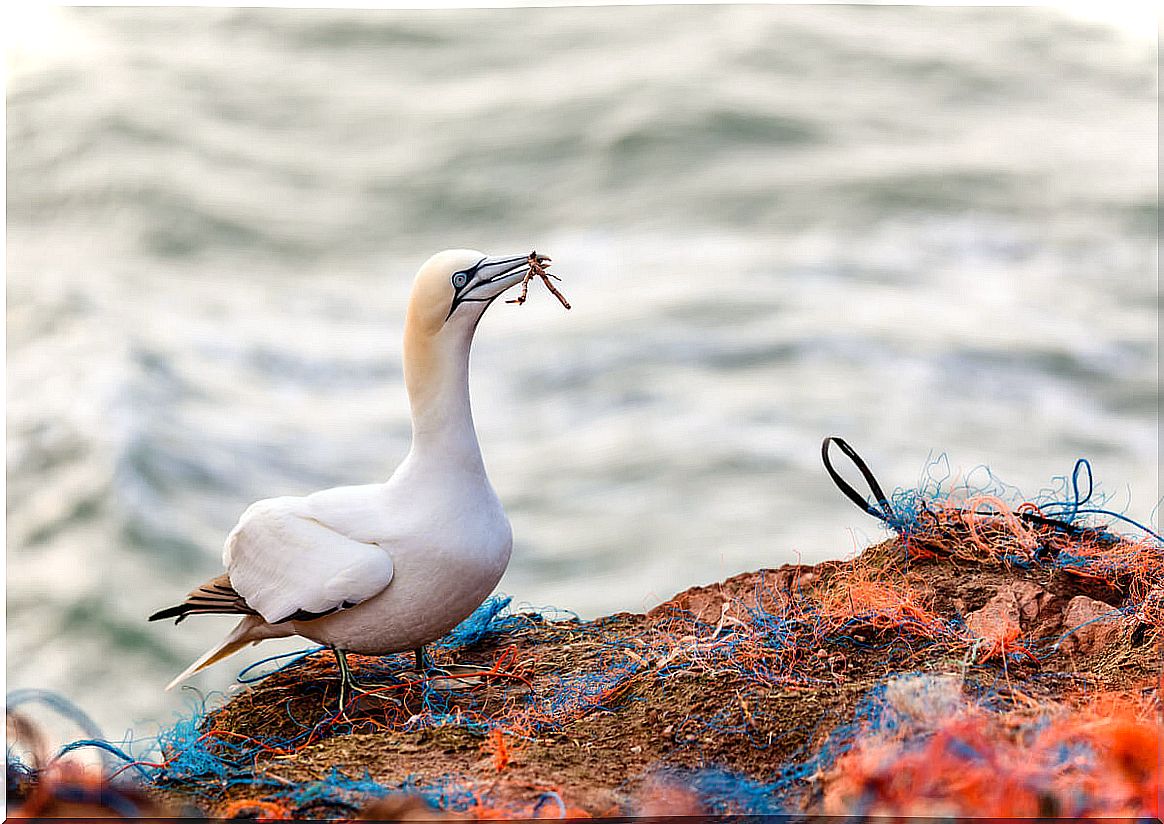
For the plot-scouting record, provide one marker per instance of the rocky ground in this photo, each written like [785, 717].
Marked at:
[801, 689]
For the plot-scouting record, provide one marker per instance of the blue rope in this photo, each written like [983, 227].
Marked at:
[1123, 518]
[550, 796]
[63, 706]
[1069, 510]
[107, 747]
[296, 657]
[57, 702]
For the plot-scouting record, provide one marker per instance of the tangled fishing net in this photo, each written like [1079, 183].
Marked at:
[995, 657]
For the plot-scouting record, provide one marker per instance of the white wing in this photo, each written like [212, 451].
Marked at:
[285, 562]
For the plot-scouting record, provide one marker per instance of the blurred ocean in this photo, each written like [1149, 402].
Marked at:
[927, 230]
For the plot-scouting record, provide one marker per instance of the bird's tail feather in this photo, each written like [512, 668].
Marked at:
[242, 635]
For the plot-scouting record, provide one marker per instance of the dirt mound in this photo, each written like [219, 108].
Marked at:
[788, 689]
[981, 663]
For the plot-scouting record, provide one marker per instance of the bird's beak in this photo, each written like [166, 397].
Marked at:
[501, 272]
[490, 277]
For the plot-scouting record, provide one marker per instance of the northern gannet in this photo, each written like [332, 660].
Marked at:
[385, 567]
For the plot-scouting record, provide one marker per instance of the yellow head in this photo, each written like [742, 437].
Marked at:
[457, 285]
[450, 293]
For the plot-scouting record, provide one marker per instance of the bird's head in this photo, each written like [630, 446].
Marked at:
[453, 288]
[451, 292]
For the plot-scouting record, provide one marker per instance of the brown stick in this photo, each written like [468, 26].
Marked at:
[539, 267]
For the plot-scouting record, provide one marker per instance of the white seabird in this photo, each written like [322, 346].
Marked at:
[385, 567]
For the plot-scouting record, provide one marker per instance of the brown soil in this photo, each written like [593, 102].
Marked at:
[697, 713]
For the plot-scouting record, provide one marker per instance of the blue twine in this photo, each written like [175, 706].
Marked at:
[296, 656]
[1068, 510]
[58, 702]
[550, 795]
[335, 788]
[63, 706]
[106, 747]
[486, 620]
[445, 793]
[189, 759]
[1118, 516]
[1106, 616]
[908, 505]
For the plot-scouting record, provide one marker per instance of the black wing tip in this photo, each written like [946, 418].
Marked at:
[184, 611]
[178, 612]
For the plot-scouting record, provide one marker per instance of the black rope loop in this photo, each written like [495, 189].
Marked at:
[882, 510]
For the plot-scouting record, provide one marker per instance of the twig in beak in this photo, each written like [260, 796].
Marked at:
[539, 267]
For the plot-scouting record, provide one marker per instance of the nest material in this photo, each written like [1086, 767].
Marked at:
[539, 266]
[982, 664]
[788, 682]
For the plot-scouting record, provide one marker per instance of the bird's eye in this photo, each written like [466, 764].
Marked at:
[460, 279]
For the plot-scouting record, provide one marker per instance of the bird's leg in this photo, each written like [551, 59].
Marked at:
[425, 666]
[348, 682]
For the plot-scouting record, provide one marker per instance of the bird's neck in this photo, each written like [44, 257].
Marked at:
[436, 374]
